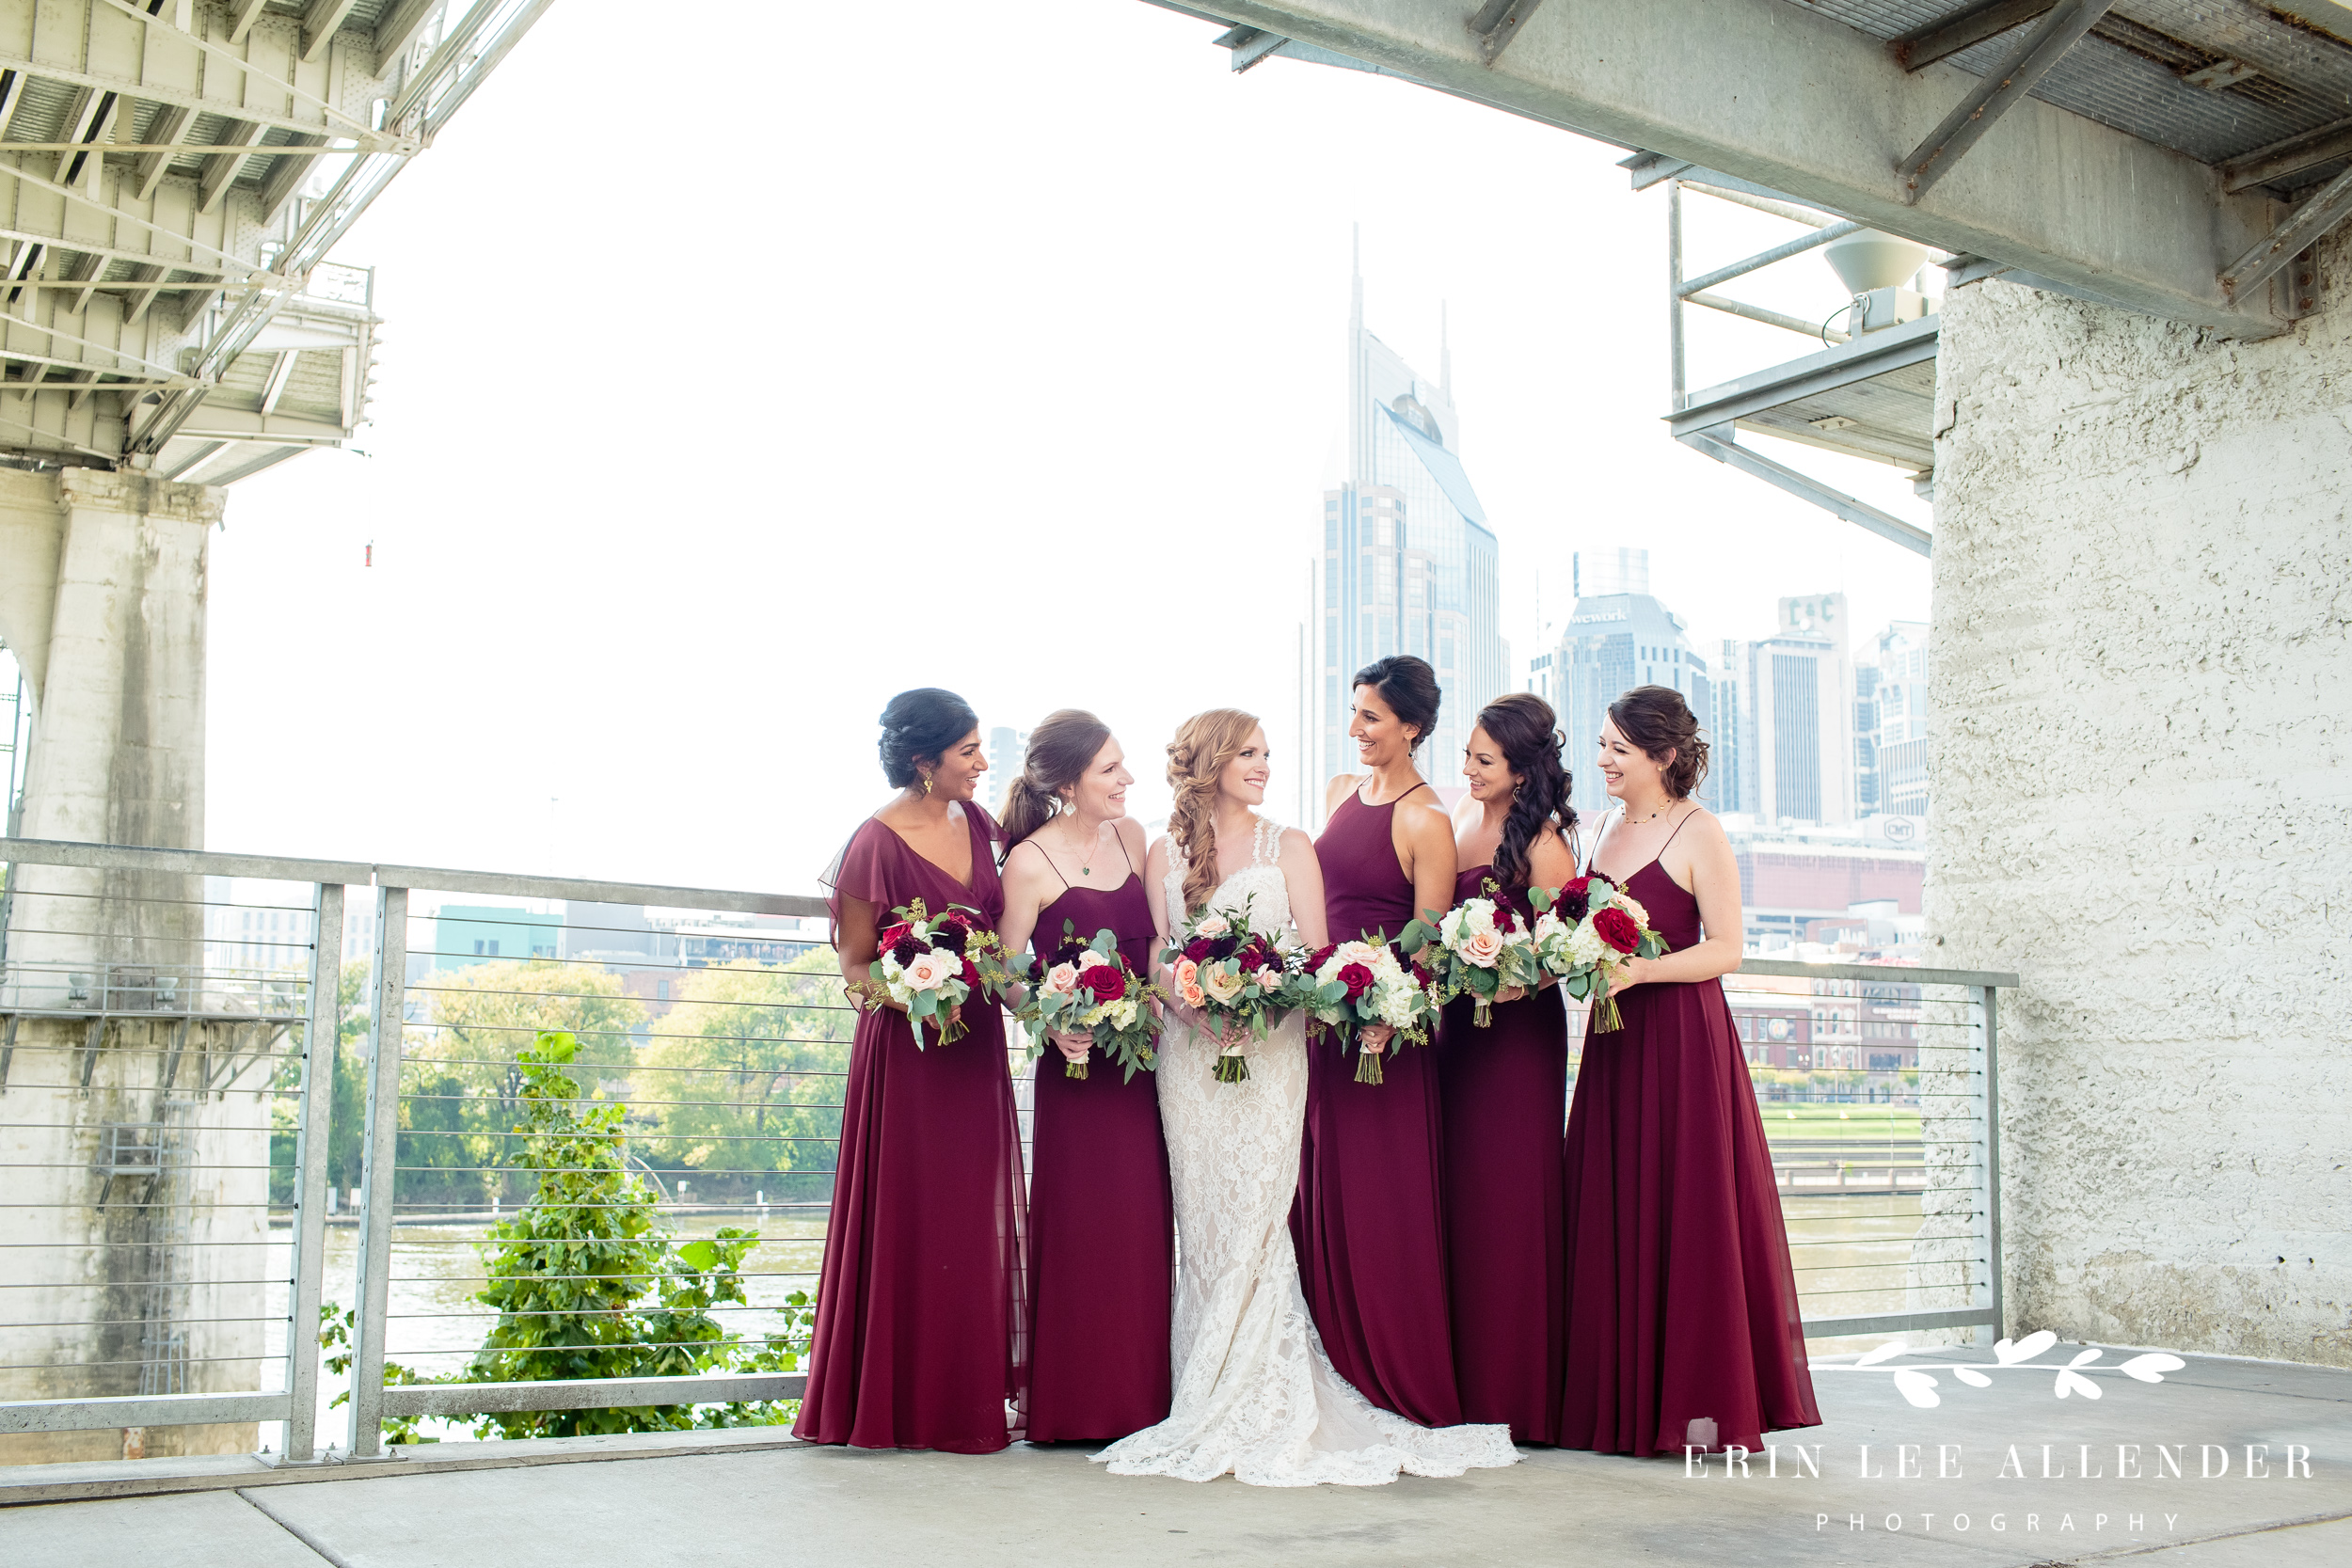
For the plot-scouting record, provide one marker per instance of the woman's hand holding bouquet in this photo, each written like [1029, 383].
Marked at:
[1086, 989]
[929, 965]
[1350, 986]
[1240, 981]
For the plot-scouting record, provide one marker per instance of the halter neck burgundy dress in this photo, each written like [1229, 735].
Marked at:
[1682, 1304]
[1505, 1091]
[919, 1317]
[1368, 1222]
[1102, 1215]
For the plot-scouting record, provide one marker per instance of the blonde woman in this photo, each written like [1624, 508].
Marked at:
[1254, 1395]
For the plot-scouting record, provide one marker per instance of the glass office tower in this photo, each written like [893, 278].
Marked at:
[1407, 566]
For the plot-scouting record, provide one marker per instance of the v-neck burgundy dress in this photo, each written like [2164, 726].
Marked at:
[1682, 1304]
[919, 1317]
[1369, 1223]
[1505, 1091]
[1102, 1215]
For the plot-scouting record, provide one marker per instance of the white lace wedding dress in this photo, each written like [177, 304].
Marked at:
[1254, 1393]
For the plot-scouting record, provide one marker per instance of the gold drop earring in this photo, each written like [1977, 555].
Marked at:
[927, 784]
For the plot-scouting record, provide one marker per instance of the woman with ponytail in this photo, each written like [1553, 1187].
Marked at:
[1682, 1305]
[1505, 1089]
[1370, 1222]
[1101, 1226]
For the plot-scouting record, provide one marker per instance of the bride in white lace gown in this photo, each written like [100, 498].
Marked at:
[1255, 1395]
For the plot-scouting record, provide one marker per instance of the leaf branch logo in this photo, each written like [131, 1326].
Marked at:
[1918, 1385]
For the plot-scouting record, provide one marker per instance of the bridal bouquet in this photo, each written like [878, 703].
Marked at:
[930, 964]
[1482, 946]
[1592, 927]
[1242, 980]
[1087, 988]
[1357, 983]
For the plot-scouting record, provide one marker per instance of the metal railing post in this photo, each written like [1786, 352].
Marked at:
[1674, 290]
[380, 1142]
[1989, 999]
[310, 1145]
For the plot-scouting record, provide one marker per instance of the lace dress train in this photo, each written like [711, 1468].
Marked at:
[1255, 1396]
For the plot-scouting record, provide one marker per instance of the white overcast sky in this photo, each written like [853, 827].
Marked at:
[734, 378]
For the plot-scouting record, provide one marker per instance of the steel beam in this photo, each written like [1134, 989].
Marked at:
[319, 1044]
[1763, 259]
[140, 1410]
[1873, 354]
[1819, 331]
[2284, 160]
[1721, 444]
[2326, 208]
[1997, 93]
[1948, 35]
[1804, 106]
[379, 1142]
[601, 1393]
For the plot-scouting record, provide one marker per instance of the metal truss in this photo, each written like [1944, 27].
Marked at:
[173, 177]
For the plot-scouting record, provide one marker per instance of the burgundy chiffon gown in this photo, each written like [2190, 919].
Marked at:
[1368, 1222]
[1682, 1304]
[1505, 1091]
[1102, 1215]
[919, 1318]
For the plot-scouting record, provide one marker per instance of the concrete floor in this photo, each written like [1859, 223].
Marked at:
[837, 1508]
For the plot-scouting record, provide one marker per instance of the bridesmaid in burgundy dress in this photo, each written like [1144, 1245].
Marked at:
[1683, 1326]
[1368, 1223]
[919, 1309]
[1506, 1090]
[1102, 1218]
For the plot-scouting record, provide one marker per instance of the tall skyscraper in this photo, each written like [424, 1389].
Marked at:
[1891, 722]
[1801, 692]
[1007, 748]
[1618, 637]
[1406, 565]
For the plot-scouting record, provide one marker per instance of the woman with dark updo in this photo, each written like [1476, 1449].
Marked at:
[1504, 1088]
[1369, 1224]
[1102, 1218]
[1682, 1304]
[919, 1316]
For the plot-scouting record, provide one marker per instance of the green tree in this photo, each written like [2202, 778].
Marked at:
[463, 1090]
[589, 1283]
[753, 1055]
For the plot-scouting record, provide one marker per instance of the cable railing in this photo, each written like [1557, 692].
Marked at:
[519, 1148]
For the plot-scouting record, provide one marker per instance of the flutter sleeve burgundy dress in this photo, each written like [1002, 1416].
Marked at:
[1505, 1093]
[919, 1318]
[1101, 1216]
[1368, 1223]
[1682, 1304]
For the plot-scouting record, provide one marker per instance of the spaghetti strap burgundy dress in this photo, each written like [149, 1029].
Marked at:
[1682, 1304]
[1368, 1223]
[1504, 1092]
[919, 1317]
[1102, 1215]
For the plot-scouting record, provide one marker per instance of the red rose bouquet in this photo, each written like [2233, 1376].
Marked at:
[1592, 927]
[1357, 983]
[932, 965]
[1242, 980]
[1087, 988]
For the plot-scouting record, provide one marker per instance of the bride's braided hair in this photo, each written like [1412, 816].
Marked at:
[1196, 760]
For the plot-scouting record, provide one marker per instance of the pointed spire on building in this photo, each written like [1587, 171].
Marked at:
[1445, 358]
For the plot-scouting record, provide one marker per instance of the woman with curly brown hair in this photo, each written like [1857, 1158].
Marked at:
[1682, 1305]
[1255, 1396]
[1504, 1088]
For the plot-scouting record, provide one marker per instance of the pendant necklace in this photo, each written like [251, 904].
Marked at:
[1087, 870]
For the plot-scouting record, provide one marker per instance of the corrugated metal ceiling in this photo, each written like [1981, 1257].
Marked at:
[2128, 72]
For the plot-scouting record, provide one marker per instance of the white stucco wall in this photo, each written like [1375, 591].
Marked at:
[2143, 705]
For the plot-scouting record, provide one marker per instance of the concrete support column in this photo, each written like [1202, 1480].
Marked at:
[103, 601]
[2144, 647]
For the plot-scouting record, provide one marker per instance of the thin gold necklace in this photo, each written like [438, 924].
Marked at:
[1079, 854]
